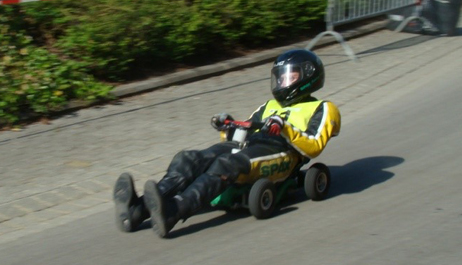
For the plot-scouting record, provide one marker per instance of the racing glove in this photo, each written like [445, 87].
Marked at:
[218, 121]
[273, 125]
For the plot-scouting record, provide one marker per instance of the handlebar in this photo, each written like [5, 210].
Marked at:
[252, 125]
[242, 128]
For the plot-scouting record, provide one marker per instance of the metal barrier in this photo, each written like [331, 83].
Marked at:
[346, 11]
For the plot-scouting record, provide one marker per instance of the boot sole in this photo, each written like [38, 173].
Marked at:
[153, 201]
[123, 195]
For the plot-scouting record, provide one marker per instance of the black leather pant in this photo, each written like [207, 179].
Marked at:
[186, 166]
[208, 172]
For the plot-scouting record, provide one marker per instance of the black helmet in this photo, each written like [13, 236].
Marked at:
[295, 75]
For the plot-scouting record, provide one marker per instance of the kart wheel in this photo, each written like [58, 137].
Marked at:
[262, 198]
[317, 182]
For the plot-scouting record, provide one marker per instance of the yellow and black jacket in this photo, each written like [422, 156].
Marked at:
[308, 125]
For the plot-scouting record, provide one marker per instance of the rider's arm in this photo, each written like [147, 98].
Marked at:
[324, 124]
[257, 115]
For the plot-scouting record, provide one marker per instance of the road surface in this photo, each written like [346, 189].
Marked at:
[395, 196]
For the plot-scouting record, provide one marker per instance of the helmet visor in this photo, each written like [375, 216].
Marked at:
[285, 76]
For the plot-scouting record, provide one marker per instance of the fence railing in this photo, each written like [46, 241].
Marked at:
[346, 11]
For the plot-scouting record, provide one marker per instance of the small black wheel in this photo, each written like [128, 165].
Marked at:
[262, 198]
[317, 182]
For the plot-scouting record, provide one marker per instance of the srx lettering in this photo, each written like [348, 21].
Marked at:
[269, 170]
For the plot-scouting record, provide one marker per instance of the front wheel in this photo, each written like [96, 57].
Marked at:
[317, 182]
[262, 198]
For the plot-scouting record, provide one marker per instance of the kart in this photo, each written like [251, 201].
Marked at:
[262, 195]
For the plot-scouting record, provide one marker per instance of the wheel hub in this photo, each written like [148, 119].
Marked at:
[321, 182]
[266, 200]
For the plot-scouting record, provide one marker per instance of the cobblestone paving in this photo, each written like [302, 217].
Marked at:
[53, 174]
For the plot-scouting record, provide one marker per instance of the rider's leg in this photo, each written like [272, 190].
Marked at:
[187, 165]
[130, 209]
[225, 170]
[166, 212]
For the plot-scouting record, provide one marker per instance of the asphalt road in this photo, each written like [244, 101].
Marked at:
[395, 197]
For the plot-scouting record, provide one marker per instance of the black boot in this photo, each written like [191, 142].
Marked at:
[164, 212]
[130, 209]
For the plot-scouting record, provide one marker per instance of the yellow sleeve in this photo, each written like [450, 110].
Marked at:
[324, 124]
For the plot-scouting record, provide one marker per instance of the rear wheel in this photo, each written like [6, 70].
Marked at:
[317, 182]
[262, 198]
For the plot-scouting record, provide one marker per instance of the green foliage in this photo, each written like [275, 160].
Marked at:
[32, 80]
[112, 36]
[51, 50]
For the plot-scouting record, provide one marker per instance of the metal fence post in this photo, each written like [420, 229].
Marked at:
[427, 25]
[340, 12]
[330, 31]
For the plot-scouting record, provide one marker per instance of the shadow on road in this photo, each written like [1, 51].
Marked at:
[361, 174]
[412, 41]
[459, 32]
[353, 177]
[400, 44]
[217, 221]
[196, 227]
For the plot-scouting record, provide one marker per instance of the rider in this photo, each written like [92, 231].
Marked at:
[297, 125]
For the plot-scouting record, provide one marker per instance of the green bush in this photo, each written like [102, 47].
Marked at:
[33, 81]
[51, 51]
[112, 36]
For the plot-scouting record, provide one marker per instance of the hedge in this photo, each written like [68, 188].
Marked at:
[35, 82]
[53, 50]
